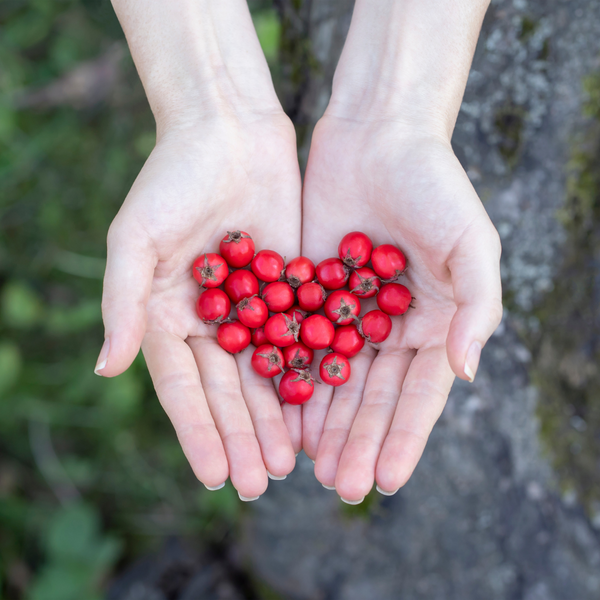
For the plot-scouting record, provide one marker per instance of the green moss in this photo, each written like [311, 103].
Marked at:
[508, 122]
[528, 27]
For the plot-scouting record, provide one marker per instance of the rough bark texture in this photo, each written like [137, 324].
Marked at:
[483, 516]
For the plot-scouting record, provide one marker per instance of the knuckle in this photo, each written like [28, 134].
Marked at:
[496, 312]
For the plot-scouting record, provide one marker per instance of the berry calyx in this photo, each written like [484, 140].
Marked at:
[210, 270]
[355, 249]
[332, 273]
[267, 265]
[267, 361]
[213, 306]
[317, 332]
[278, 296]
[259, 338]
[375, 326]
[342, 307]
[296, 312]
[299, 270]
[364, 283]
[298, 356]
[237, 248]
[388, 261]
[252, 311]
[296, 386]
[233, 336]
[281, 330]
[394, 299]
[348, 341]
[241, 284]
[311, 296]
[335, 369]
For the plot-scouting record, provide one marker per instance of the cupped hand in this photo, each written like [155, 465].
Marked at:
[199, 182]
[404, 187]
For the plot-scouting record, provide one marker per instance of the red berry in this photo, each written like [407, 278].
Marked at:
[388, 261]
[267, 265]
[342, 307]
[237, 248]
[259, 338]
[311, 296]
[281, 330]
[297, 312]
[213, 306]
[364, 282]
[241, 284]
[394, 299]
[252, 312]
[233, 336]
[355, 249]
[278, 296]
[317, 332]
[298, 356]
[267, 361]
[347, 341]
[296, 386]
[300, 270]
[210, 270]
[335, 369]
[332, 273]
[375, 326]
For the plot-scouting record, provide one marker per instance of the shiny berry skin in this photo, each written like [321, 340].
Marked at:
[355, 249]
[375, 326]
[267, 361]
[317, 332]
[241, 284]
[259, 338]
[311, 296]
[342, 307]
[233, 337]
[281, 330]
[394, 299]
[237, 248]
[213, 306]
[299, 270]
[347, 341]
[298, 356]
[388, 261]
[278, 296]
[210, 270]
[332, 274]
[252, 312]
[364, 283]
[297, 312]
[335, 369]
[296, 386]
[267, 265]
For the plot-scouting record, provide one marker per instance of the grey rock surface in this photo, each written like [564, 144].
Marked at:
[482, 516]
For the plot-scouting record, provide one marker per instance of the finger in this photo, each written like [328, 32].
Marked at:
[221, 383]
[342, 412]
[356, 470]
[475, 267]
[177, 383]
[424, 394]
[263, 404]
[292, 417]
[130, 267]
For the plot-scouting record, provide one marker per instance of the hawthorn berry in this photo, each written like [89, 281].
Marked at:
[267, 265]
[317, 332]
[388, 261]
[347, 341]
[281, 330]
[394, 299]
[296, 386]
[278, 296]
[252, 312]
[298, 356]
[233, 336]
[237, 248]
[213, 306]
[311, 296]
[210, 270]
[267, 361]
[364, 282]
[332, 273]
[335, 369]
[355, 249]
[375, 326]
[299, 270]
[342, 307]
[241, 284]
[259, 338]
[297, 312]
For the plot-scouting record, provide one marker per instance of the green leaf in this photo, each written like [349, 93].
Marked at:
[21, 308]
[122, 394]
[72, 534]
[10, 365]
[268, 30]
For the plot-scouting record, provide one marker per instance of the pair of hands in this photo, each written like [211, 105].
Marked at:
[396, 183]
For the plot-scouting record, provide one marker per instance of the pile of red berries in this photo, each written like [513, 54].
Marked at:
[292, 294]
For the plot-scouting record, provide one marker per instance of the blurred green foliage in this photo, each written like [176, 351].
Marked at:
[91, 472]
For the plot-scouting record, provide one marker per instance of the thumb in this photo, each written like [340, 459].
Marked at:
[130, 265]
[475, 269]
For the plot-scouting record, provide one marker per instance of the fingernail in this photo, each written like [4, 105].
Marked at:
[214, 489]
[297, 453]
[275, 478]
[244, 499]
[384, 492]
[353, 502]
[313, 461]
[330, 488]
[472, 361]
[103, 357]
